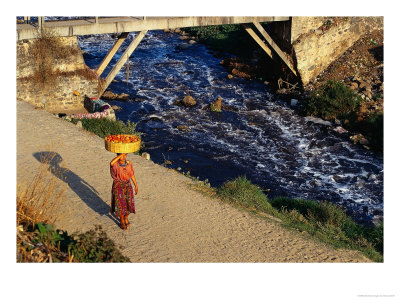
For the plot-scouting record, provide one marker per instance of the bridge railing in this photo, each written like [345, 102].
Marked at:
[40, 21]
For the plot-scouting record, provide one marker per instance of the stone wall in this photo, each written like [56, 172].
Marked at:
[304, 25]
[57, 96]
[315, 49]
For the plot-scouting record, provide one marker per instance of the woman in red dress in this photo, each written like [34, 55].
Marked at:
[122, 198]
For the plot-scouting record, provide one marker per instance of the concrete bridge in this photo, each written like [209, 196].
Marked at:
[312, 46]
[96, 25]
[125, 25]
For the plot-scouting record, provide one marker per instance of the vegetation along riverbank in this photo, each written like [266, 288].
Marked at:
[321, 220]
[332, 97]
[174, 223]
[348, 93]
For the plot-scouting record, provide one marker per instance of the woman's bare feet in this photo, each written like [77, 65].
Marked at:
[127, 221]
[123, 224]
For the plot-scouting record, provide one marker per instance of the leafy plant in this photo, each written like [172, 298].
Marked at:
[197, 181]
[372, 128]
[95, 246]
[331, 100]
[45, 244]
[45, 232]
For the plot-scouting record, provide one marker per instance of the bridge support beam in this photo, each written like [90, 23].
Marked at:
[257, 39]
[274, 46]
[271, 43]
[125, 57]
[111, 53]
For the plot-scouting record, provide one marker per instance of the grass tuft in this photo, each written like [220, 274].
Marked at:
[46, 49]
[241, 191]
[323, 220]
[38, 200]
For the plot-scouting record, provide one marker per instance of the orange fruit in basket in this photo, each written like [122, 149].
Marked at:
[121, 138]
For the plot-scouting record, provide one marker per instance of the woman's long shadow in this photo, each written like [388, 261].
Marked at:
[83, 189]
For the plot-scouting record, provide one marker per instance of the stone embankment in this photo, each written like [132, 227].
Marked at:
[173, 223]
[323, 40]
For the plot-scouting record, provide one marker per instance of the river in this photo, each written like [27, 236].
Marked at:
[259, 135]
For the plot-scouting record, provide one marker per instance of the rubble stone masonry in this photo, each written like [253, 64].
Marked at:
[62, 93]
[316, 46]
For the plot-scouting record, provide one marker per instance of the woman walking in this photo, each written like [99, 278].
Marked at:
[122, 197]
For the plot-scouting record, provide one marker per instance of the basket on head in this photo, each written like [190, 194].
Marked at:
[119, 147]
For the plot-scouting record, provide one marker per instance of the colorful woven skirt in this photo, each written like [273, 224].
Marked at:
[122, 198]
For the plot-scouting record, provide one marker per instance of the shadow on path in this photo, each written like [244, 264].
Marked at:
[83, 189]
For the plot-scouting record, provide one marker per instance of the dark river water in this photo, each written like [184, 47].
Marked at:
[259, 136]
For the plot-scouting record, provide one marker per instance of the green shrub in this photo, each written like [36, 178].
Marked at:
[242, 192]
[324, 212]
[331, 224]
[372, 128]
[95, 246]
[323, 220]
[43, 241]
[104, 126]
[332, 100]
[375, 236]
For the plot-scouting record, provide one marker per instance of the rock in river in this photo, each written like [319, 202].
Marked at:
[317, 121]
[216, 105]
[184, 46]
[188, 101]
[108, 95]
[340, 129]
[183, 128]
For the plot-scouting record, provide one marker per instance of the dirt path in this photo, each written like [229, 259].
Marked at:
[173, 223]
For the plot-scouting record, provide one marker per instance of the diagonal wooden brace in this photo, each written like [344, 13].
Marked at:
[275, 47]
[124, 57]
[111, 53]
[257, 39]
